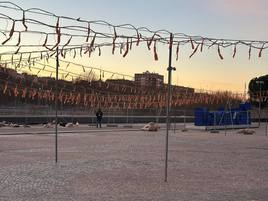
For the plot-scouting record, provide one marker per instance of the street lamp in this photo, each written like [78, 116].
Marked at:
[259, 83]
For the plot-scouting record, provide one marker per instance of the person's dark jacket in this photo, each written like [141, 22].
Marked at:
[99, 115]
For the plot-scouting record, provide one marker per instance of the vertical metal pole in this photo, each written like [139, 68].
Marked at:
[174, 122]
[259, 106]
[56, 105]
[266, 127]
[184, 119]
[260, 83]
[247, 118]
[170, 68]
[127, 115]
[214, 121]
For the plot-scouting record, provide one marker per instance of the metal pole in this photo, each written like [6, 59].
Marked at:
[247, 118]
[56, 105]
[170, 68]
[214, 123]
[184, 119]
[266, 127]
[260, 106]
[127, 115]
[260, 83]
[174, 122]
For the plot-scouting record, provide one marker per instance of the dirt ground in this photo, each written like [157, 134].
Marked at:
[127, 165]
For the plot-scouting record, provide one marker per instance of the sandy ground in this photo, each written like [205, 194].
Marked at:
[127, 165]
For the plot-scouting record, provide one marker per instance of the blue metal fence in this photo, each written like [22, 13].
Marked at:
[234, 116]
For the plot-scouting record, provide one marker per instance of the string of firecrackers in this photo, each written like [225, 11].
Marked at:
[103, 87]
[178, 101]
[113, 87]
[31, 62]
[88, 100]
[76, 78]
[106, 85]
[118, 87]
[142, 34]
[74, 97]
[34, 60]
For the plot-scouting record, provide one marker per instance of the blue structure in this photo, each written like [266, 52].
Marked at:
[222, 117]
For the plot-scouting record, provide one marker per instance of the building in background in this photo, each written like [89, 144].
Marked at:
[121, 82]
[156, 80]
[181, 89]
[148, 79]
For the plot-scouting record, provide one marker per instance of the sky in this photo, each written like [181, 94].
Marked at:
[236, 19]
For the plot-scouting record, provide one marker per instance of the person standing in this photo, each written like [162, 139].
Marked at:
[99, 117]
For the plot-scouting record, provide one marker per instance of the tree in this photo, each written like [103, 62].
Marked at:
[254, 90]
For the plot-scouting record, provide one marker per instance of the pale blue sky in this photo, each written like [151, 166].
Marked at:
[240, 19]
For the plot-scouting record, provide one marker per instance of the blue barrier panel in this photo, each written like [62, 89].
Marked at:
[200, 116]
[235, 116]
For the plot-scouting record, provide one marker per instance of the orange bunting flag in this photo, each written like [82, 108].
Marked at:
[67, 66]
[99, 51]
[17, 51]
[148, 46]
[219, 52]
[24, 93]
[177, 51]
[23, 21]
[194, 51]
[78, 99]
[192, 43]
[93, 41]
[260, 53]
[138, 38]
[121, 48]
[45, 42]
[150, 42]
[65, 45]
[234, 51]
[91, 46]
[130, 46]
[202, 44]
[115, 36]
[88, 32]
[155, 52]
[29, 58]
[19, 39]
[81, 50]
[74, 54]
[5, 88]
[10, 33]
[249, 52]
[127, 48]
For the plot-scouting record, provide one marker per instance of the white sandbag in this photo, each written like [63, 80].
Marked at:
[151, 126]
[69, 125]
[48, 125]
